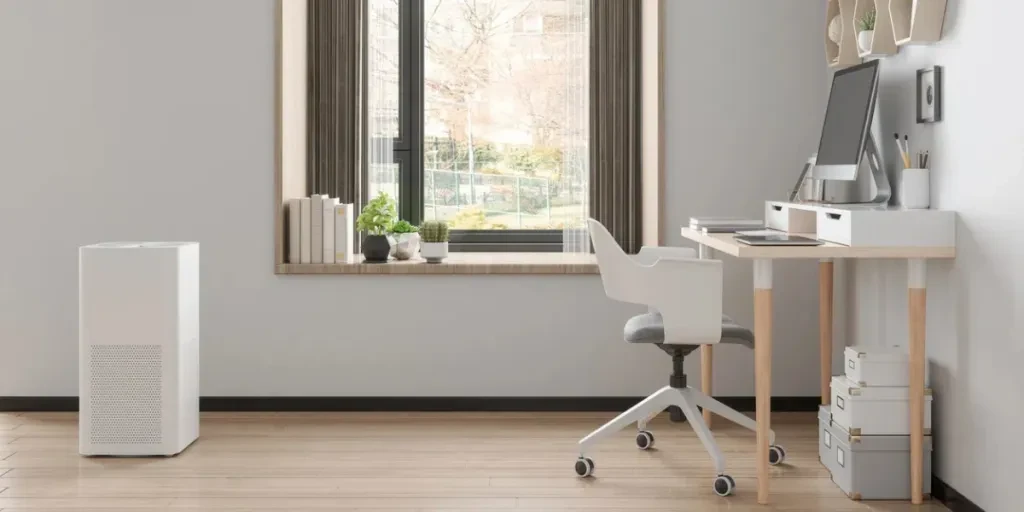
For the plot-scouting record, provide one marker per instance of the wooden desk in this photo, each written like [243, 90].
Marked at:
[762, 258]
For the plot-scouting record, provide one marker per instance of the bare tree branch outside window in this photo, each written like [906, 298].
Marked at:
[500, 81]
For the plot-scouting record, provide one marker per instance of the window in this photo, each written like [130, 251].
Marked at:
[477, 114]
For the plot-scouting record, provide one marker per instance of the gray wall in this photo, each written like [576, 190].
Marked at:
[974, 304]
[141, 119]
[743, 110]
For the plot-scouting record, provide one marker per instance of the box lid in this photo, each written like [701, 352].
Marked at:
[854, 391]
[877, 354]
[874, 443]
[825, 413]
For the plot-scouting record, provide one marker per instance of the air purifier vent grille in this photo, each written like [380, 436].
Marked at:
[126, 394]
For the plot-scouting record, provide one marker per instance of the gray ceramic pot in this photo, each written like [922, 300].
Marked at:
[376, 249]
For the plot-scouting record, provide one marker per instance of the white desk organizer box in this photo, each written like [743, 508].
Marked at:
[864, 226]
[138, 348]
[869, 467]
[875, 411]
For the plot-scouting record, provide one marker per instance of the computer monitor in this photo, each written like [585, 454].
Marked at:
[851, 106]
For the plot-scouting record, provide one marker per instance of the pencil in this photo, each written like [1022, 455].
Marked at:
[903, 154]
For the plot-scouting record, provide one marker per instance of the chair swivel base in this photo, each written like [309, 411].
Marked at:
[687, 399]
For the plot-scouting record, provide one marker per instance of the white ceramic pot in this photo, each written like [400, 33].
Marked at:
[434, 252]
[915, 190]
[864, 40]
[405, 246]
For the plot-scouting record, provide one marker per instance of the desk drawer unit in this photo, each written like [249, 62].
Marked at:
[776, 216]
[871, 467]
[875, 411]
[869, 366]
[784, 218]
[864, 227]
[835, 227]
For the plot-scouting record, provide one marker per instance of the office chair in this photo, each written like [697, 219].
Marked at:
[685, 297]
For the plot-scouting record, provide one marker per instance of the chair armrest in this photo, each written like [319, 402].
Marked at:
[648, 254]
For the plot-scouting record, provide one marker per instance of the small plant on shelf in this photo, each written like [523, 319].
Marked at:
[866, 29]
[376, 220]
[434, 234]
[406, 240]
[403, 226]
[867, 21]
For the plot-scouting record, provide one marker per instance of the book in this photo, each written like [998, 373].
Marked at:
[724, 224]
[344, 233]
[294, 230]
[729, 229]
[706, 222]
[305, 227]
[317, 244]
[328, 216]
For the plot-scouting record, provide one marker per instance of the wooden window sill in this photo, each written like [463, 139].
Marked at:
[467, 263]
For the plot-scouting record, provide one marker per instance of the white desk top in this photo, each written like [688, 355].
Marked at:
[726, 243]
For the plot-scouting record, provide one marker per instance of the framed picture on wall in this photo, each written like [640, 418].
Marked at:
[929, 95]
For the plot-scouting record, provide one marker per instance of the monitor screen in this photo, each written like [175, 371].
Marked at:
[848, 118]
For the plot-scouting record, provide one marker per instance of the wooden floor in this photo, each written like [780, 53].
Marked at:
[414, 461]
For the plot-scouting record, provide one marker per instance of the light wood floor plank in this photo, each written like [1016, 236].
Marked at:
[411, 462]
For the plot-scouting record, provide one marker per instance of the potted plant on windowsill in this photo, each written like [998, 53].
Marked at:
[376, 220]
[434, 234]
[866, 27]
[406, 240]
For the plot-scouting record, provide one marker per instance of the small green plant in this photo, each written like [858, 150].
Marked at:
[403, 226]
[434, 231]
[867, 21]
[378, 216]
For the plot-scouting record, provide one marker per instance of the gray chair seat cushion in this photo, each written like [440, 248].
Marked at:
[650, 328]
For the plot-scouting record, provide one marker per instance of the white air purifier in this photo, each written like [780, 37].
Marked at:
[138, 348]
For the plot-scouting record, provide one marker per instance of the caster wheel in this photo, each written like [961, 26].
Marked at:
[584, 467]
[644, 440]
[776, 455]
[724, 485]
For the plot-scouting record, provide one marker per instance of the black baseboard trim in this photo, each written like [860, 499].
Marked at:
[408, 404]
[38, 404]
[951, 498]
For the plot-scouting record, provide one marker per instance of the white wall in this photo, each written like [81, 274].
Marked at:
[143, 119]
[974, 324]
[744, 101]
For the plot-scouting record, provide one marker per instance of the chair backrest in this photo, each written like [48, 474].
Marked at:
[687, 293]
[611, 260]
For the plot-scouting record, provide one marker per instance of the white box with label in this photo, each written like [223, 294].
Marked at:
[875, 411]
[869, 467]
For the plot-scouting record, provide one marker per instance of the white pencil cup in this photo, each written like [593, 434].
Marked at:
[915, 192]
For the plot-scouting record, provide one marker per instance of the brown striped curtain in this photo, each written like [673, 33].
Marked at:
[615, 165]
[336, 112]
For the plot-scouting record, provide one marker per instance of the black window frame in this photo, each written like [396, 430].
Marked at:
[409, 148]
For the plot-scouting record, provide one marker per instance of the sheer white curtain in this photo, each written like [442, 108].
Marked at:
[382, 97]
[575, 151]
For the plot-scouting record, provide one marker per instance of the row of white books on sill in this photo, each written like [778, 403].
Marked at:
[320, 230]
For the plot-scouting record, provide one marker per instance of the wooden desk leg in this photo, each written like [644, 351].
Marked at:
[916, 315]
[825, 280]
[706, 351]
[763, 369]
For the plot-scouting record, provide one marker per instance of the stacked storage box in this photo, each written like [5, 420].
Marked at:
[865, 433]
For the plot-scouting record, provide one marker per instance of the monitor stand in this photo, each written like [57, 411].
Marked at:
[879, 177]
[852, 192]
